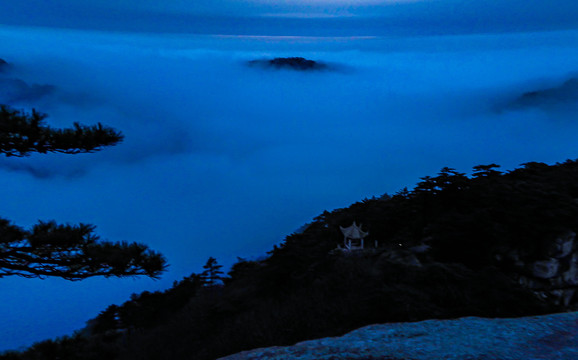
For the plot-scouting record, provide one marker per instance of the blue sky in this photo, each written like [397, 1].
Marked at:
[224, 160]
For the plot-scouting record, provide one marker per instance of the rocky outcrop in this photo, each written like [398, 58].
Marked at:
[552, 337]
[404, 256]
[291, 63]
[554, 275]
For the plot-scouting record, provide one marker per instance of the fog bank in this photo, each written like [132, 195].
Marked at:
[223, 159]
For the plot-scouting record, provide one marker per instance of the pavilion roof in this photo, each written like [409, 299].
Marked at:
[353, 232]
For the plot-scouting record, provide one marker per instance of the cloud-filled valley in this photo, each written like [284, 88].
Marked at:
[205, 102]
[224, 159]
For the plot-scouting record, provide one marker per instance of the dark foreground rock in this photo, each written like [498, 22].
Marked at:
[552, 337]
[292, 63]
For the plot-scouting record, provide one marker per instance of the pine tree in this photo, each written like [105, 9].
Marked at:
[71, 252]
[211, 276]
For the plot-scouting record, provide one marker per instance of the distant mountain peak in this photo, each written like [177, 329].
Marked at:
[565, 93]
[291, 63]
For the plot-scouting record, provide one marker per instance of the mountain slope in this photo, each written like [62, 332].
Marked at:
[490, 245]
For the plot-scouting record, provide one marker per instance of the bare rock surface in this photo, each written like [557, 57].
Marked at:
[552, 337]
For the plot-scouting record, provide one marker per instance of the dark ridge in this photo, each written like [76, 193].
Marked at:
[292, 63]
[566, 93]
[18, 91]
[493, 244]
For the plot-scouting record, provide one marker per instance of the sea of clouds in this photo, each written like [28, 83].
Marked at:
[223, 159]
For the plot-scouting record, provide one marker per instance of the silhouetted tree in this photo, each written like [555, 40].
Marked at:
[450, 180]
[72, 252]
[105, 321]
[211, 276]
[24, 133]
[484, 171]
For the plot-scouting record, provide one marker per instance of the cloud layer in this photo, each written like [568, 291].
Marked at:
[296, 17]
[223, 160]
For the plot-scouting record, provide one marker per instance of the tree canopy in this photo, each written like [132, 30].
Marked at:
[72, 252]
[24, 133]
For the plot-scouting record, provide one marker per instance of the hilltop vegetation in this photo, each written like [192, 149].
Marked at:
[291, 63]
[451, 247]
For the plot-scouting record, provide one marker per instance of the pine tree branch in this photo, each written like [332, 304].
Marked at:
[73, 253]
[66, 251]
[22, 134]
